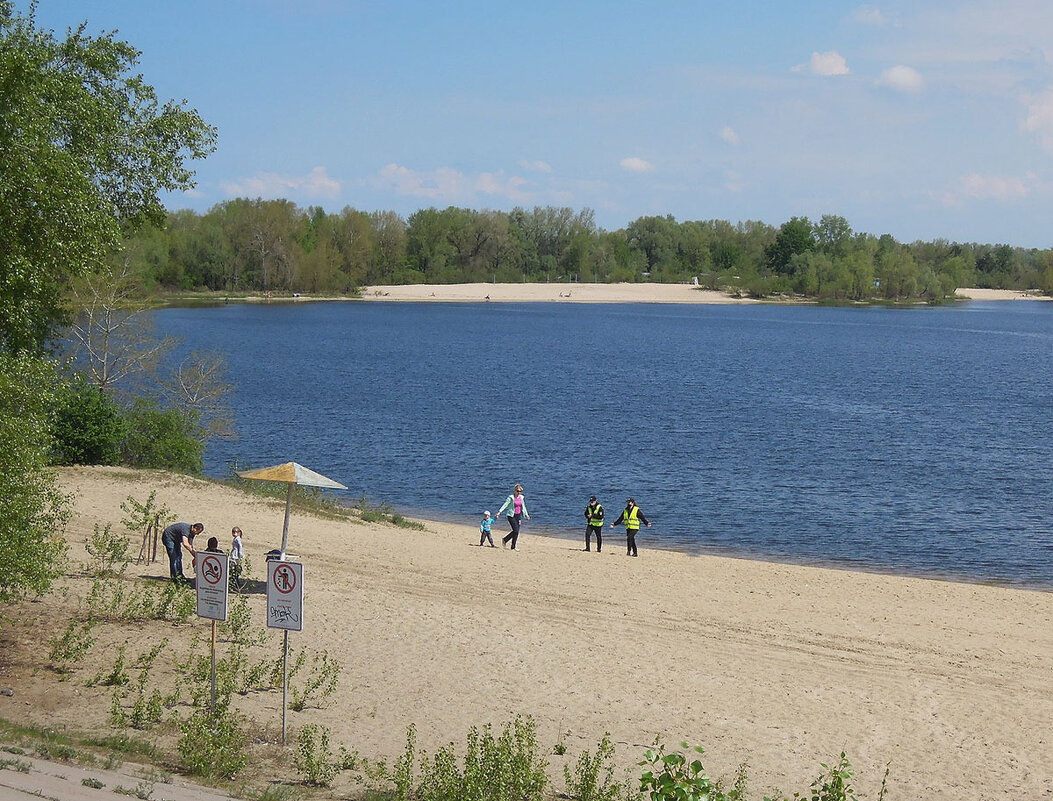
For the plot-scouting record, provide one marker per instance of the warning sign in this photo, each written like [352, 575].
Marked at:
[210, 567]
[285, 595]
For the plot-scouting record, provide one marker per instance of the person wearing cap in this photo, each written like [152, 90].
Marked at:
[594, 524]
[484, 529]
[174, 538]
[633, 517]
[514, 508]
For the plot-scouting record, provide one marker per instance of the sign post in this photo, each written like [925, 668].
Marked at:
[211, 569]
[285, 611]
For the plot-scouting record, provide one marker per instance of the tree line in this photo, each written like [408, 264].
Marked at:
[247, 245]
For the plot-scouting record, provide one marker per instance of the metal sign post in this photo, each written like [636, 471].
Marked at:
[211, 569]
[285, 611]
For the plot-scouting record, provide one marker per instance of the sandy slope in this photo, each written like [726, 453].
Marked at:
[780, 666]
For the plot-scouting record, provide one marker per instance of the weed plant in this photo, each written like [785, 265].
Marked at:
[381, 513]
[117, 677]
[670, 777]
[135, 602]
[108, 552]
[319, 684]
[494, 769]
[314, 758]
[593, 776]
[147, 708]
[70, 647]
[213, 742]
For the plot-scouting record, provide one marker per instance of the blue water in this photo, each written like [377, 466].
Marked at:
[913, 441]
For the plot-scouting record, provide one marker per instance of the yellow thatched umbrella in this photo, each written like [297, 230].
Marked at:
[292, 474]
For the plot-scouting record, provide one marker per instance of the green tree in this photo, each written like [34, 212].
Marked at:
[85, 151]
[33, 513]
[794, 237]
[88, 427]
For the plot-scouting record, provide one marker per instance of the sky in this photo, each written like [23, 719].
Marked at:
[923, 120]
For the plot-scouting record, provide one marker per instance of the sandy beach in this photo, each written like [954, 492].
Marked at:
[604, 293]
[779, 666]
[562, 293]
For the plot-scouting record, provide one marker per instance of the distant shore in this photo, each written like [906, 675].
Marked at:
[607, 293]
[552, 293]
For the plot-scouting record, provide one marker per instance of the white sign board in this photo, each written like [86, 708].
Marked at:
[285, 595]
[211, 569]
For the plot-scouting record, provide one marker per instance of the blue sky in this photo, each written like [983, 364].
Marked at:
[924, 120]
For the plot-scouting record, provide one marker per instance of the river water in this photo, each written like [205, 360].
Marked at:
[914, 441]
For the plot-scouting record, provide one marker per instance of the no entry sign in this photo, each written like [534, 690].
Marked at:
[211, 570]
[285, 595]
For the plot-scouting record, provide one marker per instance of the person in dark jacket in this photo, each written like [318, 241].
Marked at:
[176, 537]
[632, 517]
[594, 524]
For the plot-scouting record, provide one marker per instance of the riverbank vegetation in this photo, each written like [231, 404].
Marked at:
[247, 245]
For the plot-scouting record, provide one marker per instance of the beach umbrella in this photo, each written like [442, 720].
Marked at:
[292, 474]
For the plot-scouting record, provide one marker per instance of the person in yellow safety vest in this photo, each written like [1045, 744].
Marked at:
[594, 524]
[633, 517]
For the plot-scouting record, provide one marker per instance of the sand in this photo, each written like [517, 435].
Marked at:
[563, 293]
[608, 293]
[775, 665]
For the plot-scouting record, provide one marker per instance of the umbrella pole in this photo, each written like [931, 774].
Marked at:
[288, 509]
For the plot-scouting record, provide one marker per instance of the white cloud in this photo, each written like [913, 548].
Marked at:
[729, 135]
[316, 184]
[535, 166]
[829, 63]
[902, 79]
[635, 164]
[1039, 118]
[448, 185]
[1002, 188]
[869, 15]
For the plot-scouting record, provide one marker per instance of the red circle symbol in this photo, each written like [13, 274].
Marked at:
[284, 579]
[211, 570]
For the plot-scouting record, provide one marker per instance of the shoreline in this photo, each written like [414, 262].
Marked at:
[618, 535]
[574, 293]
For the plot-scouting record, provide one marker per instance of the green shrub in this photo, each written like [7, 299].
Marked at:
[507, 767]
[108, 552]
[68, 648]
[142, 515]
[165, 439]
[212, 743]
[320, 683]
[586, 784]
[88, 426]
[670, 777]
[314, 759]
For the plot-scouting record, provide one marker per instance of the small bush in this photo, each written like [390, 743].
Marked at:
[670, 777]
[593, 777]
[314, 759]
[212, 743]
[320, 683]
[162, 438]
[70, 647]
[108, 552]
[507, 767]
